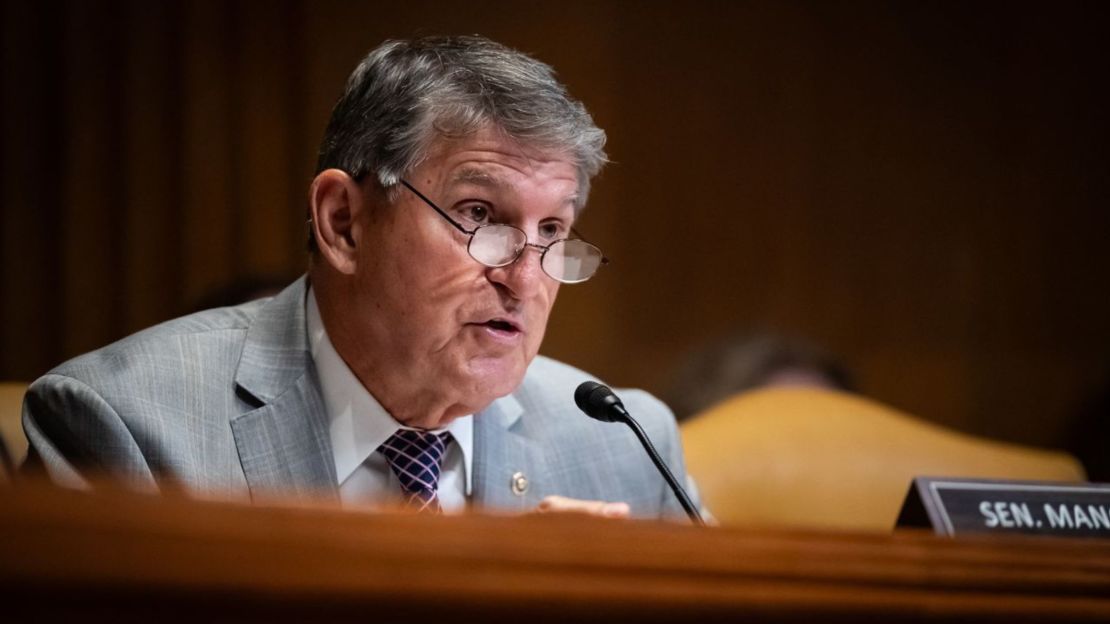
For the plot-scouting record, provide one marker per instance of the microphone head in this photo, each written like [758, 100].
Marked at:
[599, 402]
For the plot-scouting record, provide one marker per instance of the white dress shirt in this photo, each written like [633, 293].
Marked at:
[358, 425]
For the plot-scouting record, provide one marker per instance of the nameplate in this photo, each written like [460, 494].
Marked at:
[963, 506]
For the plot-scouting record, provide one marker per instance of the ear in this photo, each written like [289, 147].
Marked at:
[336, 201]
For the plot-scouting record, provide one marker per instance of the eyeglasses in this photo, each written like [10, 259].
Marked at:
[568, 260]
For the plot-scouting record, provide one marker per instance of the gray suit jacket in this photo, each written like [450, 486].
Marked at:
[226, 403]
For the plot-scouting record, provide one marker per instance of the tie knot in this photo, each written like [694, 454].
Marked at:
[416, 458]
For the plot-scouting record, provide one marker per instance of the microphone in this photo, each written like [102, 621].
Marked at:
[600, 403]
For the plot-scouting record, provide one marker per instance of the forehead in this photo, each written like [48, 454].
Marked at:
[489, 161]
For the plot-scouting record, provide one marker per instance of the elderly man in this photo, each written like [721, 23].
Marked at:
[403, 368]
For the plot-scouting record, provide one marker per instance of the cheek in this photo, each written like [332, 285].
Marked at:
[551, 291]
[542, 312]
[427, 280]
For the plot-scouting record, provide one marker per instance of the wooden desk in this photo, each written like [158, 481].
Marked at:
[123, 557]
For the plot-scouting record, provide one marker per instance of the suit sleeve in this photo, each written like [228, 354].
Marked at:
[75, 435]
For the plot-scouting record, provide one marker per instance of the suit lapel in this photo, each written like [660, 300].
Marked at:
[502, 450]
[283, 444]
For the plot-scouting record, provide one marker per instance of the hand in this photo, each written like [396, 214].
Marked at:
[562, 504]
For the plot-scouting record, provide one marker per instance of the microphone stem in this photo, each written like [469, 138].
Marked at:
[687, 504]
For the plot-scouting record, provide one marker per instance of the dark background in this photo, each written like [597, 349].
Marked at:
[919, 186]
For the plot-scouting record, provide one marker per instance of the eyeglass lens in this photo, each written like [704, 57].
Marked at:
[572, 261]
[568, 261]
[497, 245]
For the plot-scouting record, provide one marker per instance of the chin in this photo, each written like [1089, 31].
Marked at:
[496, 378]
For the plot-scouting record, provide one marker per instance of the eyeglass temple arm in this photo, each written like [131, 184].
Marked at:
[604, 258]
[437, 209]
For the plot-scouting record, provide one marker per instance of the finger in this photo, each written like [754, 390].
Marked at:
[616, 510]
[562, 504]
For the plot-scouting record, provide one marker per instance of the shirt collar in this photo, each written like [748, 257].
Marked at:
[357, 423]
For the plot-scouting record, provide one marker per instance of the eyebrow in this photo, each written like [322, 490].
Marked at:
[485, 179]
[478, 177]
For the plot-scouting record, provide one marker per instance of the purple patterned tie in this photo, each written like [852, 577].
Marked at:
[416, 457]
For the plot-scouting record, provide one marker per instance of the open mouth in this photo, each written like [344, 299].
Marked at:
[501, 325]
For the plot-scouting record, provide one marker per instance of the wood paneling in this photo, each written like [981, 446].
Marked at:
[919, 187]
[150, 116]
[92, 229]
[208, 187]
[30, 319]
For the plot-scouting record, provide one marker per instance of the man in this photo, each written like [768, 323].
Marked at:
[404, 367]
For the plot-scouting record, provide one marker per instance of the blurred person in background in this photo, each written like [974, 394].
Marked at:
[747, 361]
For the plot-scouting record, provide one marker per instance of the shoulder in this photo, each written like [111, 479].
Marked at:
[160, 387]
[154, 403]
[188, 364]
[550, 383]
[203, 339]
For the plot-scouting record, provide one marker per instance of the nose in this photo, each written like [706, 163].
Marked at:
[524, 276]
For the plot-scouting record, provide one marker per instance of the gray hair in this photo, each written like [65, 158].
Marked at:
[406, 94]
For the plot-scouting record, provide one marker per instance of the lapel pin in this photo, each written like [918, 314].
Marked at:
[519, 483]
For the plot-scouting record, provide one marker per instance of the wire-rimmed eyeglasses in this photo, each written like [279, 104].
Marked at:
[568, 260]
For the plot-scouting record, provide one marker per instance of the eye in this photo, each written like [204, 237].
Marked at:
[476, 213]
[551, 230]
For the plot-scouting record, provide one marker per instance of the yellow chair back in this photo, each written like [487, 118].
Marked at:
[830, 460]
[11, 424]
